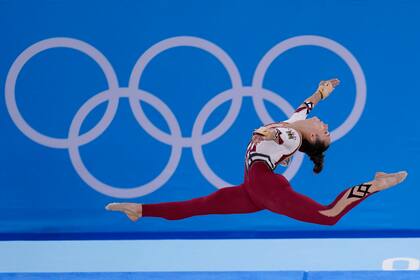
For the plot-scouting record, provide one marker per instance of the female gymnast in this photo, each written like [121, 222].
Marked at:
[272, 145]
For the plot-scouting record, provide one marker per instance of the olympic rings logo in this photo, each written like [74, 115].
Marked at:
[114, 92]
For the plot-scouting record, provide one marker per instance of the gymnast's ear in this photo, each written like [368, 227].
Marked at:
[312, 137]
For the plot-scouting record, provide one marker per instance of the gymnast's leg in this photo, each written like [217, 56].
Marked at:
[273, 192]
[229, 200]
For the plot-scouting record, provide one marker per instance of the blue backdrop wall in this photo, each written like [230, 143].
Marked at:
[153, 101]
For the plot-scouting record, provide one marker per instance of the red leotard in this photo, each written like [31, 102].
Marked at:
[263, 189]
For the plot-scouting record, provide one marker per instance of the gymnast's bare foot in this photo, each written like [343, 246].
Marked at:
[132, 210]
[384, 180]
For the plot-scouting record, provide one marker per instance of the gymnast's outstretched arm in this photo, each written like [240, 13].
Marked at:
[324, 89]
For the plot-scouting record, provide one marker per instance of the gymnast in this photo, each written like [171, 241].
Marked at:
[262, 189]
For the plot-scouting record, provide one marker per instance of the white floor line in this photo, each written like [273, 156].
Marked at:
[209, 255]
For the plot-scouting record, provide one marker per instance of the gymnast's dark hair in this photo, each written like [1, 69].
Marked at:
[315, 151]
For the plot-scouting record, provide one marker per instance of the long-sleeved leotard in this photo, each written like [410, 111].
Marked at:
[263, 189]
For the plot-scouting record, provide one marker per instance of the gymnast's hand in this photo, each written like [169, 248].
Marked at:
[263, 133]
[326, 87]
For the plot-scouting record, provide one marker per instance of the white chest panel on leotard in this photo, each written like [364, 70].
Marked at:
[273, 152]
[288, 142]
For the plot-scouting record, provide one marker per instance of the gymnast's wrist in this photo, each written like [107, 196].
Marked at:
[321, 96]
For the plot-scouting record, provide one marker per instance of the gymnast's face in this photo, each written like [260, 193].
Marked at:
[319, 130]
